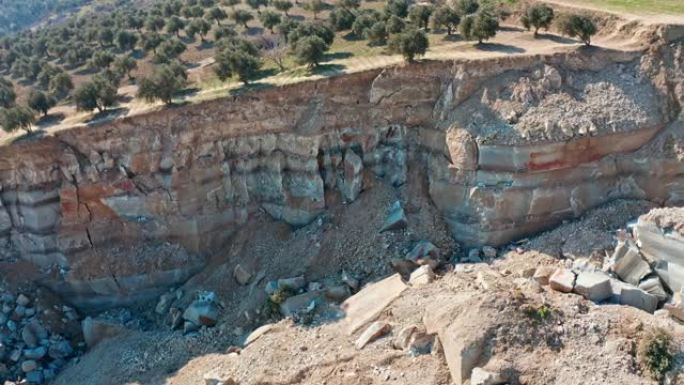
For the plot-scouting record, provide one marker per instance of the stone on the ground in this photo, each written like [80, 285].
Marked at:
[294, 283]
[241, 275]
[337, 293]
[638, 298]
[374, 331]
[396, 218]
[351, 180]
[594, 286]
[675, 307]
[23, 300]
[36, 353]
[95, 330]
[422, 276]
[164, 304]
[654, 286]
[350, 281]
[35, 377]
[483, 377]
[660, 243]
[474, 256]
[562, 280]
[369, 302]
[189, 327]
[29, 366]
[543, 274]
[298, 303]
[462, 351]
[420, 343]
[425, 253]
[672, 274]
[202, 313]
[257, 333]
[403, 338]
[628, 263]
[403, 266]
[489, 252]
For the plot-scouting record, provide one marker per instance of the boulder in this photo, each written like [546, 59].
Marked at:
[202, 313]
[337, 293]
[489, 252]
[369, 302]
[653, 286]
[374, 331]
[638, 298]
[628, 263]
[29, 366]
[403, 338]
[396, 218]
[294, 283]
[298, 303]
[484, 377]
[594, 286]
[351, 180]
[164, 304]
[241, 275]
[96, 330]
[257, 333]
[660, 240]
[420, 343]
[422, 276]
[424, 253]
[562, 280]
[350, 281]
[403, 266]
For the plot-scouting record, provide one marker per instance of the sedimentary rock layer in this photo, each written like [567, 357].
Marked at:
[511, 146]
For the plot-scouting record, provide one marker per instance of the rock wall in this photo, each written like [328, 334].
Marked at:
[504, 160]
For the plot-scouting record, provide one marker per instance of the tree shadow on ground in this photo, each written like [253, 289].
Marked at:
[498, 47]
[265, 72]
[205, 45]
[337, 55]
[351, 36]
[254, 31]
[35, 134]
[249, 88]
[511, 28]
[86, 71]
[50, 120]
[454, 37]
[556, 38]
[107, 115]
[328, 69]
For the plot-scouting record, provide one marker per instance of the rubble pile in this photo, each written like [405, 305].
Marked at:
[36, 340]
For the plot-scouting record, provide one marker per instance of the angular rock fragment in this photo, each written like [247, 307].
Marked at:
[241, 275]
[202, 313]
[94, 330]
[403, 338]
[484, 377]
[422, 276]
[370, 301]
[396, 218]
[294, 283]
[374, 331]
[638, 298]
[351, 180]
[593, 286]
[298, 303]
[628, 263]
[653, 286]
[562, 280]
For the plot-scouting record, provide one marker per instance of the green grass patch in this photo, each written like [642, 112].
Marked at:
[642, 6]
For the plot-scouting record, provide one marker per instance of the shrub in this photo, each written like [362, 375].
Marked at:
[269, 19]
[397, 8]
[166, 81]
[409, 44]
[15, 118]
[655, 353]
[481, 26]
[395, 24]
[578, 26]
[7, 94]
[40, 102]
[377, 33]
[238, 57]
[314, 6]
[240, 16]
[445, 17]
[342, 19]
[420, 15]
[217, 14]
[60, 86]
[310, 50]
[467, 7]
[537, 16]
[98, 93]
[282, 5]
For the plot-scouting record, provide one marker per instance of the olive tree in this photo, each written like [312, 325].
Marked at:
[409, 44]
[536, 17]
[164, 83]
[578, 26]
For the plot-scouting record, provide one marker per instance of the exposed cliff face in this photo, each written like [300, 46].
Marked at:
[511, 146]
